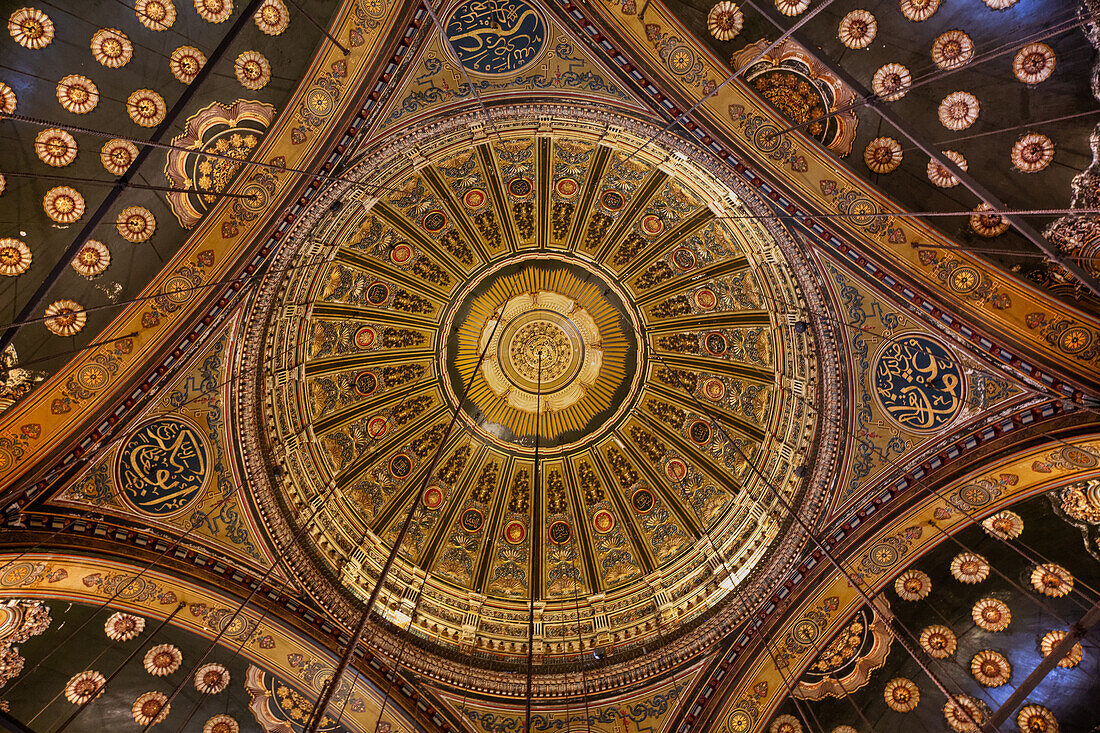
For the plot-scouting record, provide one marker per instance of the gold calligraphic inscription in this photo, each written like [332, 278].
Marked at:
[495, 36]
[162, 467]
[919, 383]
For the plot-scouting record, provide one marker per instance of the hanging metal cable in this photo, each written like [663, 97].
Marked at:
[330, 687]
[531, 615]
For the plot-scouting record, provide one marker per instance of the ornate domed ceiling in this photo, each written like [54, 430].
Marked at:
[614, 306]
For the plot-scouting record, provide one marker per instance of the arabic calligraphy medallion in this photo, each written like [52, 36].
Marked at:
[163, 467]
[919, 383]
[495, 36]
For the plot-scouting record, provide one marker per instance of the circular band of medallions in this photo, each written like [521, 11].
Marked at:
[655, 471]
[572, 314]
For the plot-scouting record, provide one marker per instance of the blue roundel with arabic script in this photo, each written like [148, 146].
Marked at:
[919, 383]
[495, 36]
[163, 466]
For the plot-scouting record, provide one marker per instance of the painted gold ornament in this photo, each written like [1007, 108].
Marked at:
[1004, 525]
[221, 723]
[939, 175]
[112, 48]
[7, 99]
[117, 156]
[792, 7]
[63, 204]
[272, 17]
[92, 259]
[1032, 153]
[969, 567]
[31, 28]
[1052, 580]
[844, 729]
[891, 82]
[990, 668]
[985, 224]
[991, 614]
[146, 108]
[162, 660]
[1034, 63]
[84, 687]
[210, 679]
[958, 110]
[77, 94]
[952, 49]
[150, 708]
[1000, 4]
[913, 585]
[55, 147]
[65, 317]
[857, 29]
[901, 694]
[136, 223]
[964, 714]
[786, 724]
[882, 155]
[938, 641]
[918, 10]
[123, 626]
[15, 257]
[214, 11]
[156, 15]
[1051, 639]
[186, 62]
[252, 70]
[1035, 718]
[725, 20]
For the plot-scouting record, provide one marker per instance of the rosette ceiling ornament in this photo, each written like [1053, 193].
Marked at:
[658, 307]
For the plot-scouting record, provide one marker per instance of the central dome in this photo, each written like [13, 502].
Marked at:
[625, 308]
[553, 320]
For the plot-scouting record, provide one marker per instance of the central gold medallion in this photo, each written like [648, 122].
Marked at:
[542, 328]
[562, 317]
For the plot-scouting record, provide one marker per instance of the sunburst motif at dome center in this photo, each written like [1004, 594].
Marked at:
[536, 311]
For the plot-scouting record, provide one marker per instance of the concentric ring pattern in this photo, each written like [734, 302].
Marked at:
[654, 312]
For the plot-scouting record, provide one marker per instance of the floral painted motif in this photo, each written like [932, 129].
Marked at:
[77, 94]
[939, 175]
[65, 317]
[272, 18]
[146, 108]
[969, 567]
[15, 257]
[991, 614]
[112, 48]
[938, 642]
[958, 110]
[156, 15]
[252, 70]
[117, 156]
[84, 687]
[857, 29]
[92, 259]
[150, 708]
[55, 147]
[724, 21]
[882, 155]
[123, 626]
[901, 694]
[31, 28]
[913, 585]
[162, 660]
[1052, 580]
[186, 62]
